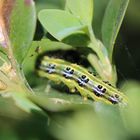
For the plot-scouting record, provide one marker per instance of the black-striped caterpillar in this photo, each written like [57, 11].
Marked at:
[77, 77]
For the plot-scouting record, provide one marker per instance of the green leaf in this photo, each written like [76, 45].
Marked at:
[8, 109]
[77, 39]
[59, 23]
[49, 4]
[48, 45]
[24, 103]
[82, 9]
[22, 27]
[51, 104]
[55, 101]
[39, 47]
[99, 9]
[131, 114]
[88, 123]
[112, 21]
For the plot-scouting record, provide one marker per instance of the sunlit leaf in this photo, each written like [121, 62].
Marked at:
[82, 9]
[59, 23]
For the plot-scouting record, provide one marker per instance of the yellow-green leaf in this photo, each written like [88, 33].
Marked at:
[113, 17]
[82, 9]
[59, 23]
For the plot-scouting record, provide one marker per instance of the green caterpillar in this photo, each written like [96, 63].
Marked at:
[77, 77]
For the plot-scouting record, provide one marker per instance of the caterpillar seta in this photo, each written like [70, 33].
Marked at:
[79, 78]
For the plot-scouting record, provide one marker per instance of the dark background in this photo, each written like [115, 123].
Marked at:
[127, 47]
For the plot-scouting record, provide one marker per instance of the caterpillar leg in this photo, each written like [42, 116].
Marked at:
[85, 98]
[69, 84]
[52, 77]
[82, 91]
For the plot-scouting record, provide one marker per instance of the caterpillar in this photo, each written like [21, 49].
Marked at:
[79, 78]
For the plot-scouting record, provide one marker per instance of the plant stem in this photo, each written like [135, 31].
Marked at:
[102, 63]
[93, 59]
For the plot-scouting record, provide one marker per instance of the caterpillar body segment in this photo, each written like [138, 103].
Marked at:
[77, 77]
